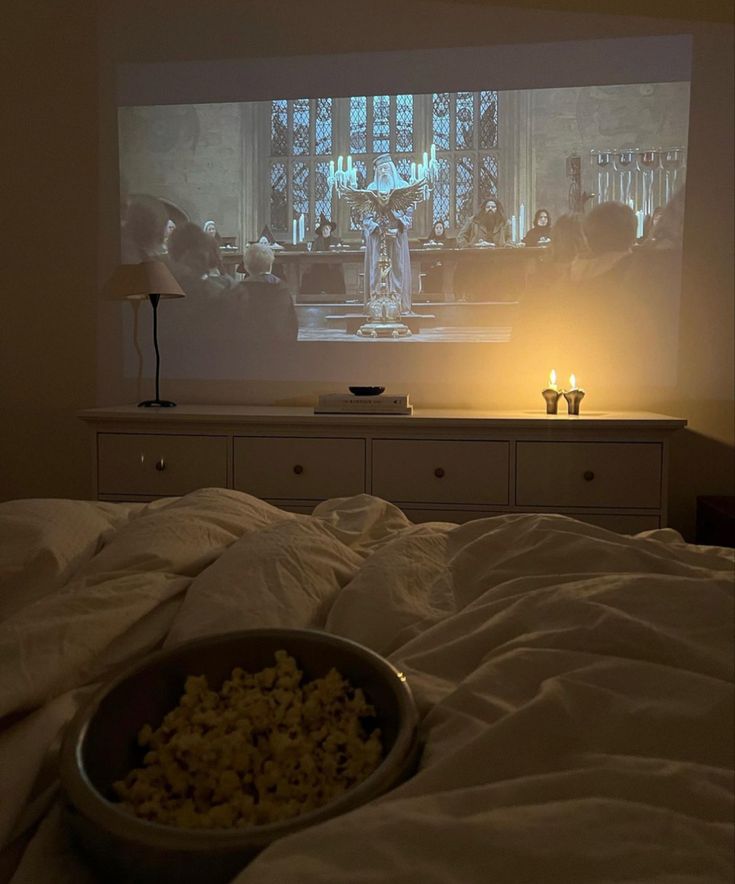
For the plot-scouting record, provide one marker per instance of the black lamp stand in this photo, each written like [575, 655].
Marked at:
[157, 402]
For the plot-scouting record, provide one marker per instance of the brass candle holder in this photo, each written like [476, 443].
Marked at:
[552, 399]
[551, 394]
[574, 396]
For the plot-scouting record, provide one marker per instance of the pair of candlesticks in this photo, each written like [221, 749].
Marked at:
[574, 395]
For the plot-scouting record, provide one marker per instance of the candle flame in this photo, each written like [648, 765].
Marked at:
[573, 381]
[552, 377]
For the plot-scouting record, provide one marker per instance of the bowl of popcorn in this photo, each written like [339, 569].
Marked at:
[196, 758]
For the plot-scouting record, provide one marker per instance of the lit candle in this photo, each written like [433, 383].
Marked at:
[433, 153]
[573, 396]
[302, 228]
[339, 164]
[331, 169]
[551, 394]
[294, 232]
[419, 172]
[640, 214]
[522, 222]
[413, 172]
[513, 228]
[349, 164]
[425, 160]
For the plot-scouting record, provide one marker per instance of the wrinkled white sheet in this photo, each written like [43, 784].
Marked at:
[575, 685]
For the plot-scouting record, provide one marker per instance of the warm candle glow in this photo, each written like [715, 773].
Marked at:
[552, 378]
[572, 382]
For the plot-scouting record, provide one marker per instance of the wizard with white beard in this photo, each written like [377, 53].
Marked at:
[395, 221]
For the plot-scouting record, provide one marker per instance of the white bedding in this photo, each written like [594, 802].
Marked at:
[575, 685]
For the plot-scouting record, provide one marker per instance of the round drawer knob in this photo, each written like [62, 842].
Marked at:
[588, 475]
[439, 472]
[161, 465]
[298, 469]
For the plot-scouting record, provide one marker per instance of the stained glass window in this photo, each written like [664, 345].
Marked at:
[301, 117]
[404, 123]
[403, 166]
[440, 110]
[279, 196]
[465, 120]
[488, 120]
[279, 128]
[323, 126]
[381, 123]
[300, 183]
[488, 184]
[322, 194]
[358, 124]
[355, 216]
[304, 138]
[442, 190]
[464, 189]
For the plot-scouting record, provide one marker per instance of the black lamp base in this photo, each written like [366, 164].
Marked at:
[156, 403]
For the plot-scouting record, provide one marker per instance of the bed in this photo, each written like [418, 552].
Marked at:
[575, 685]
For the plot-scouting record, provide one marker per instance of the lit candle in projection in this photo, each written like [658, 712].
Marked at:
[425, 160]
[513, 228]
[641, 216]
[294, 232]
[302, 228]
[413, 172]
[522, 221]
[574, 395]
[331, 169]
[433, 153]
[339, 163]
[349, 165]
[551, 394]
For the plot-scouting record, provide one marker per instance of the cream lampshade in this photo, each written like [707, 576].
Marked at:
[135, 282]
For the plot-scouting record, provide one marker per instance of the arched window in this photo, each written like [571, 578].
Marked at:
[306, 133]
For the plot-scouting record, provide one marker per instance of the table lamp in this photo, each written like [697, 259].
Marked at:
[135, 282]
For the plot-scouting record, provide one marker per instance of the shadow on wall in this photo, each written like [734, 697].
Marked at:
[697, 462]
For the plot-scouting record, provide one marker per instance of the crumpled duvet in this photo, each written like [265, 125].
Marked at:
[575, 685]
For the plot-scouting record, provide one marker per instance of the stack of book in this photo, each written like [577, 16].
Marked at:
[346, 403]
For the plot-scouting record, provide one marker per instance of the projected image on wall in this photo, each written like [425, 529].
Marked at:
[405, 219]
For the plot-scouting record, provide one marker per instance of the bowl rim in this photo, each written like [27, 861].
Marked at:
[85, 799]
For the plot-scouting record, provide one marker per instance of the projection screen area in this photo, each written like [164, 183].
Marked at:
[525, 205]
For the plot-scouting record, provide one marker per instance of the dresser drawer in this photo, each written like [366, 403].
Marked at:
[295, 468]
[434, 471]
[160, 465]
[589, 474]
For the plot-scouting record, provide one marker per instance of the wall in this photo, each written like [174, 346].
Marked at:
[47, 321]
[41, 394]
[579, 120]
[190, 156]
[195, 155]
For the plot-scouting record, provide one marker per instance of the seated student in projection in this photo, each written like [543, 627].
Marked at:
[194, 260]
[476, 280]
[554, 265]
[266, 306]
[433, 272]
[266, 238]
[540, 233]
[144, 226]
[324, 278]
[610, 234]
[486, 226]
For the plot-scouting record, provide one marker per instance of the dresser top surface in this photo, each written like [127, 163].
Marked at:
[228, 414]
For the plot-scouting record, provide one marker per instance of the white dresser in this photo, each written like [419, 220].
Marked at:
[609, 468]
